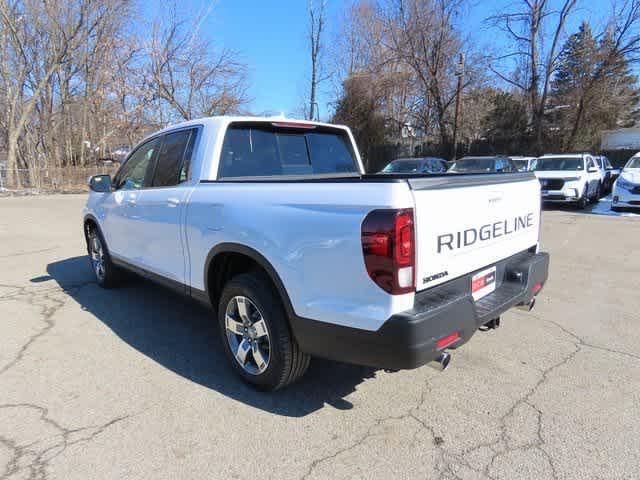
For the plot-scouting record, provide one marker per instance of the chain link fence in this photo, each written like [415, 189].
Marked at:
[43, 180]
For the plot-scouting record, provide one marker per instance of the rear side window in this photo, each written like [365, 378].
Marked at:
[263, 150]
[174, 158]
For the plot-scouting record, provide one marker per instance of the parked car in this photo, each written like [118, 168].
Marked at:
[106, 162]
[571, 178]
[615, 173]
[417, 165]
[606, 171]
[483, 165]
[523, 164]
[120, 152]
[274, 224]
[626, 189]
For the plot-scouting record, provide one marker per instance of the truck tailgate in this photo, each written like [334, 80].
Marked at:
[468, 222]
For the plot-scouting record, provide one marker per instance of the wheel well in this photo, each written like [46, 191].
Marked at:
[89, 224]
[226, 265]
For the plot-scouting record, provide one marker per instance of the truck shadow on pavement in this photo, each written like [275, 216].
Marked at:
[182, 336]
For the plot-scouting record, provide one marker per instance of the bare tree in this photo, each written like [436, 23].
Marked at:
[317, 17]
[75, 79]
[362, 54]
[407, 51]
[421, 33]
[528, 27]
[40, 40]
[192, 78]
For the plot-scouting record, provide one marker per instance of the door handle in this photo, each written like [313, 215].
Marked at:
[131, 202]
[173, 202]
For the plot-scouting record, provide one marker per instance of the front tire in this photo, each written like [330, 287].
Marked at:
[106, 273]
[583, 201]
[598, 194]
[255, 333]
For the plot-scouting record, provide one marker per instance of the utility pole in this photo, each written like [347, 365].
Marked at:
[460, 75]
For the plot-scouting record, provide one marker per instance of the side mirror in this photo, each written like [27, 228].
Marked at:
[100, 183]
[592, 169]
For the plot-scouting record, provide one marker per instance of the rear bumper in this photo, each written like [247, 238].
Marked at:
[408, 339]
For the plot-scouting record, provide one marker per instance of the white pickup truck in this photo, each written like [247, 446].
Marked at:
[275, 225]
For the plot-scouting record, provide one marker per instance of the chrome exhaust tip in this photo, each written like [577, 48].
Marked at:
[441, 362]
[527, 307]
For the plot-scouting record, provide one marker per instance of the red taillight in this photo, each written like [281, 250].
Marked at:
[388, 245]
[379, 244]
[404, 238]
[536, 288]
[448, 340]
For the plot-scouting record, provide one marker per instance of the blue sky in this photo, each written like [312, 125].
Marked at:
[270, 35]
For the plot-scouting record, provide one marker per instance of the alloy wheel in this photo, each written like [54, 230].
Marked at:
[247, 335]
[97, 256]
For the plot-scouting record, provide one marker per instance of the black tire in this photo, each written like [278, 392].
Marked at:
[583, 201]
[286, 363]
[598, 194]
[111, 276]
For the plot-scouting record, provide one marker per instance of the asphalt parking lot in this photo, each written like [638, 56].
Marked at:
[132, 383]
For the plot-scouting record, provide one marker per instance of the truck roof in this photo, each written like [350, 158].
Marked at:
[216, 127]
[222, 121]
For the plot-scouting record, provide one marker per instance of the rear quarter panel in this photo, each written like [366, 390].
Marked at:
[310, 234]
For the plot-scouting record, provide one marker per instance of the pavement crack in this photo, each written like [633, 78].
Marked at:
[446, 462]
[583, 343]
[538, 441]
[34, 457]
[370, 433]
[46, 301]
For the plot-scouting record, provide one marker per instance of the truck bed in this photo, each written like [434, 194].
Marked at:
[417, 181]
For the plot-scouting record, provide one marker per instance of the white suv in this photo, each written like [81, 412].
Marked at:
[571, 178]
[626, 190]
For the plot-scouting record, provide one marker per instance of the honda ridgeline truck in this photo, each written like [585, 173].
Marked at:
[275, 225]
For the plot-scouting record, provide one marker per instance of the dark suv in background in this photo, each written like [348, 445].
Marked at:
[483, 165]
[417, 165]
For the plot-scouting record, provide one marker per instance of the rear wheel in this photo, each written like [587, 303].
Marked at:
[255, 333]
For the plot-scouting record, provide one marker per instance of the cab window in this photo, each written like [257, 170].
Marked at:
[263, 150]
[174, 159]
[135, 172]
